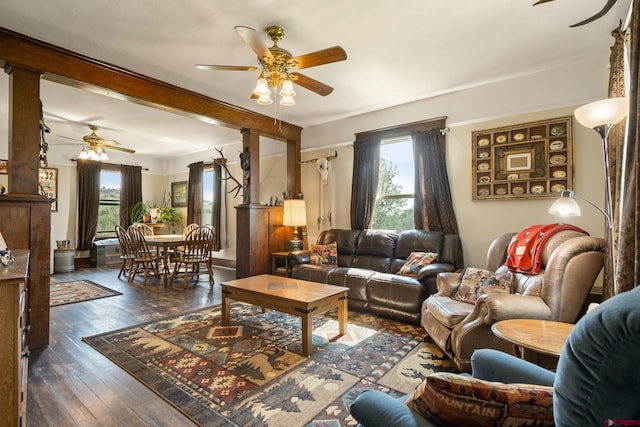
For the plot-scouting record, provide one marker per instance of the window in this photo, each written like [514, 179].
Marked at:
[394, 201]
[207, 195]
[109, 208]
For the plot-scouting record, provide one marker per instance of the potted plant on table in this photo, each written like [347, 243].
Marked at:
[138, 213]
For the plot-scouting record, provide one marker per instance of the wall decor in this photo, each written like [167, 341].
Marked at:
[48, 185]
[524, 160]
[3, 167]
[179, 194]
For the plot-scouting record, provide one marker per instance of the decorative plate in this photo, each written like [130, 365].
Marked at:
[557, 188]
[483, 142]
[556, 145]
[513, 176]
[518, 137]
[537, 189]
[483, 192]
[558, 159]
[484, 155]
[484, 179]
[517, 190]
[501, 138]
[557, 130]
[501, 191]
[559, 174]
[483, 167]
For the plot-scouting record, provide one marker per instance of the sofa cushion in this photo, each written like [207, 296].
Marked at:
[356, 280]
[415, 262]
[458, 400]
[477, 281]
[447, 311]
[375, 250]
[324, 254]
[346, 241]
[396, 296]
[312, 273]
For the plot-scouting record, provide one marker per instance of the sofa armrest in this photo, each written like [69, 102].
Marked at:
[496, 307]
[432, 270]
[298, 257]
[373, 408]
[447, 284]
[494, 365]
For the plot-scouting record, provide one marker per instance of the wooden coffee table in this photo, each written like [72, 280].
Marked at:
[543, 336]
[292, 296]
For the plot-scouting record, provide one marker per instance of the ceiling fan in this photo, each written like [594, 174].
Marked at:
[94, 146]
[276, 66]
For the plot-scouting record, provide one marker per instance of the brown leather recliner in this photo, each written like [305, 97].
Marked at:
[571, 262]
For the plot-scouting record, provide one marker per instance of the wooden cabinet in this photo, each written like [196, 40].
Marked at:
[260, 233]
[14, 355]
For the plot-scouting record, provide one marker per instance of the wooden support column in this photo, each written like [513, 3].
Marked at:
[24, 130]
[294, 158]
[251, 142]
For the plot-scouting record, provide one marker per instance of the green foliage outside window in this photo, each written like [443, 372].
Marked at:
[392, 210]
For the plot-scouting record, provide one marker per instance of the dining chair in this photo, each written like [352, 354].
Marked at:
[196, 252]
[144, 228]
[127, 253]
[145, 259]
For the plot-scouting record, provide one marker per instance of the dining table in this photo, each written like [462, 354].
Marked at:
[163, 243]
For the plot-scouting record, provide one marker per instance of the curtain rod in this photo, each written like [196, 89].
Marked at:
[113, 164]
[437, 122]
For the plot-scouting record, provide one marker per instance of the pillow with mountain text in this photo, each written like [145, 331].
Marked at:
[415, 262]
[445, 398]
[324, 254]
[476, 281]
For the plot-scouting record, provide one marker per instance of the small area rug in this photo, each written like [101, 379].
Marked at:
[77, 291]
[251, 373]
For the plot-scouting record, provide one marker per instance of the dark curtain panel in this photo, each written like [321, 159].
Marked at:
[627, 228]
[88, 202]
[130, 191]
[366, 163]
[217, 203]
[433, 206]
[194, 194]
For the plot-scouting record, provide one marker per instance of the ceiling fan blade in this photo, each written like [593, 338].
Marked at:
[110, 143]
[226, 67]
[251, 38]
[607, 7]
[324, 56]
[72, 139]
[541, 2]
[312, 85]
[126, 150]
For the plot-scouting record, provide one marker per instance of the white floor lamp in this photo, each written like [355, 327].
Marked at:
[601, 116]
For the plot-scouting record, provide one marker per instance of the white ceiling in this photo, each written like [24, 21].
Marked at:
[398, 51]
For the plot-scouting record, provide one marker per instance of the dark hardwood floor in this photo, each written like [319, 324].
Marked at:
[71, 384]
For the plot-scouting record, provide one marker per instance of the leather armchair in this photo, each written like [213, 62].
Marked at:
[571, 262]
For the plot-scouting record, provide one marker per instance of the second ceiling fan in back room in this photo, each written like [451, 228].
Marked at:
[276, 66]
[94, 147]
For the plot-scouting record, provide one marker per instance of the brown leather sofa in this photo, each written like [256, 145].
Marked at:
[368, 261]
[571, 262]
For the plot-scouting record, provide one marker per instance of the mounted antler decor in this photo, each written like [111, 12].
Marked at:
[607, 7]
[222, 161]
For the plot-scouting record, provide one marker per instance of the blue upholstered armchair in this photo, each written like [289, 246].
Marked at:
[597, 378]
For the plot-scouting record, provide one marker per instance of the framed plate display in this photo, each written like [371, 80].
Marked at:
[526, 160]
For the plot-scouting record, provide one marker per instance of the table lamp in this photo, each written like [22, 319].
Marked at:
[295, 215]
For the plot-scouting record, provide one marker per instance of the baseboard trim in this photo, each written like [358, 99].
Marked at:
[223, 262]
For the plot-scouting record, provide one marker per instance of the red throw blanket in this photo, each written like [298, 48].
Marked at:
[525, 252]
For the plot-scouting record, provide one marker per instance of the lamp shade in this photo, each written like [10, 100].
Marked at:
[604, 112]
[295, 213]
[565, 206]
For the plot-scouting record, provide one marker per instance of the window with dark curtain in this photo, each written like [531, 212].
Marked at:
[366, 162]
[217, 203]
[194, 194]
[130, 191]
[88, 202]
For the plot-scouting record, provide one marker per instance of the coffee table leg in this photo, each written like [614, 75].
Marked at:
[226, 308]
[307, 334]
[343, 313]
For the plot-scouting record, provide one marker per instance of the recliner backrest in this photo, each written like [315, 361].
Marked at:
[375, 250]
[416, 241]
[346, 240]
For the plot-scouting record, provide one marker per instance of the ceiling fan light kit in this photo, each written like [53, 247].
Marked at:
[276, 65]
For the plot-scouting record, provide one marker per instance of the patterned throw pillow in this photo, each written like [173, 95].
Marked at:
[476, 281]
[324, 254]
[450, 399]
[415, 262]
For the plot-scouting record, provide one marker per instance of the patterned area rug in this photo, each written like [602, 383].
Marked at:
[77, 291]
[251, 373]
